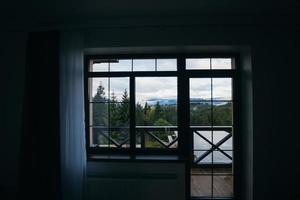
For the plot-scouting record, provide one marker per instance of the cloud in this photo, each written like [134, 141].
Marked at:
[143, 64]
[155, 87]
[201, 88]
[164, 87]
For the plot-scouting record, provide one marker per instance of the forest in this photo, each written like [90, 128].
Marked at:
[110, 120]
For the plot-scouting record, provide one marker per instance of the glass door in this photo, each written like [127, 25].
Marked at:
[211, 126]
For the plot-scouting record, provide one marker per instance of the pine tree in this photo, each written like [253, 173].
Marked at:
[100, 114]
[100, 94]
[114, 115]
[122, 118]
[100, 111]
[139, 117]
[124, 110]
[146, 114]
[157, 112]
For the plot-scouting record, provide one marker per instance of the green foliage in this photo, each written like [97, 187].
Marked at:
[123, 112]
[207, 115]
[100, 94]
[117, 114]
[100, 110]
[161, 122]
[139, 115]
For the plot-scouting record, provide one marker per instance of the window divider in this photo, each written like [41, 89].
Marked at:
[132, 116]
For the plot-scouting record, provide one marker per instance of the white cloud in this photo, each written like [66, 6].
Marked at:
[155, 87]
[164, 87]
[143, 64]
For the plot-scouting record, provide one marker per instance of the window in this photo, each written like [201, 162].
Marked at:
[132, 105]
[211, 106]
[179, 105]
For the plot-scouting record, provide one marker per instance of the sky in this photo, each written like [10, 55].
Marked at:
[163, 87]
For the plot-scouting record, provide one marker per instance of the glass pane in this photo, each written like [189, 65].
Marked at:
[99, 114]
[100, 66]
[222, 157]
[202, 157]
[121, 65]
[222, 170]
[153, 137]
[200, 90]
[221, 63]
[166, 64]
[222, 89]
[222, 114]
[220, 135]
[202, 143]
[119, 115]
[201, 186]
[119, 89]
[144, 65]
[223, 186]
[99, 137]
[206, 157]
[156, 101]
[119, 137]
[198, 63]
[98, 89]
[202, 170]
[200, 113]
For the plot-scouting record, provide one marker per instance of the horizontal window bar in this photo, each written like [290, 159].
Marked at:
[137, 73]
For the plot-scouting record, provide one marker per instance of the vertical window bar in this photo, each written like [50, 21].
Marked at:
[212, 131]
[108, 102]
[236, 119]
[132, 115]
[182, 106]
[184, 135]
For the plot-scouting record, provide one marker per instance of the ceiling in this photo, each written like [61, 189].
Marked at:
[57, 11]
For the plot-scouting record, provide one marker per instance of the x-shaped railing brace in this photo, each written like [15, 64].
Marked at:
[214, 146]
[119, 145]
[160, 141]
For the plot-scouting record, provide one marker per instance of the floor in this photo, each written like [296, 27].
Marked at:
[207, 182]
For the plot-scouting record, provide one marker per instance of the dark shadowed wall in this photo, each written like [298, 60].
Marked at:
[12, 54]
[274, 48]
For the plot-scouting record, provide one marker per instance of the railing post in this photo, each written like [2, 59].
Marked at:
[142, 139]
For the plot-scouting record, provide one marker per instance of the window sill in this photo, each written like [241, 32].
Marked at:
[137, 158]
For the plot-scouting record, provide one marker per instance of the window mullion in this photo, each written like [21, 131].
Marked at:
[132, 114]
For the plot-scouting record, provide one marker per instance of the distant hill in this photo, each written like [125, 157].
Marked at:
[153, 101]
[161, 101]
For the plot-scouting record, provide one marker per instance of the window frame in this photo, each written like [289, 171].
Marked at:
[182, 75]
[132, 150]
[236, 125]
[184, 151]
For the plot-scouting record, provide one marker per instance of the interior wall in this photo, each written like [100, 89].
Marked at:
[135, 180]
[275, 52]
[246, 142]
[273, 145]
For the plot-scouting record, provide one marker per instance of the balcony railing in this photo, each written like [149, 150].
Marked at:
[208, 140]
[146, 136]
[212, 144]
[157, 137]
